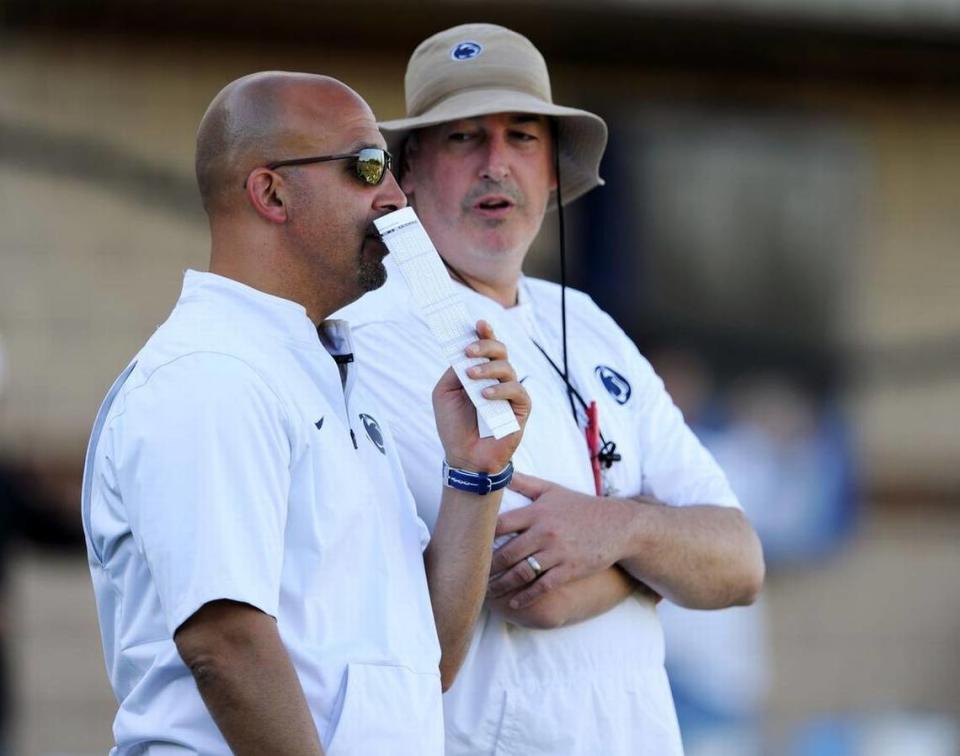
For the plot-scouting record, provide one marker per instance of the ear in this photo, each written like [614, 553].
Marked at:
[265, 192]
[407, 181]
[407, 168]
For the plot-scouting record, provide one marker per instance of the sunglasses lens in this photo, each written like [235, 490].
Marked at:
[372, 164]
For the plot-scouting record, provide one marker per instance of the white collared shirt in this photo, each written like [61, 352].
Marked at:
[594, 687]
[232, 460]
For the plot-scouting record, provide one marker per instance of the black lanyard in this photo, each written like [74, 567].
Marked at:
[608, 449]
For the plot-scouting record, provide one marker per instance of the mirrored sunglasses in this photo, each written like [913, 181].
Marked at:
[370, 164]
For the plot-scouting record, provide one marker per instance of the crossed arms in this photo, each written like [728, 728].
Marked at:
[596, 550]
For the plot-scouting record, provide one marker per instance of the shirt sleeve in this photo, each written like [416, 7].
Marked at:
[203, 470]
[677, 468]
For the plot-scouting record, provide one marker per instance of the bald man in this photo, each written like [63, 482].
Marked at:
[263, 582]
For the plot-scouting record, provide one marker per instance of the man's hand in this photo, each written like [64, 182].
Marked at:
[457, 417]
[572, 602]
[699, 556]
[571, 535]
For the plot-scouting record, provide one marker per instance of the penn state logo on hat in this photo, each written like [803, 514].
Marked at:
[466, 50]
[372, 427]
[616, 385]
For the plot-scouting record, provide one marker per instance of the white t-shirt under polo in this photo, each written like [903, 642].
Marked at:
[594, 687]
[231, 461]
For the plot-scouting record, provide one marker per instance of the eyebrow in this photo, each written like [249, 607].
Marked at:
[528, 118]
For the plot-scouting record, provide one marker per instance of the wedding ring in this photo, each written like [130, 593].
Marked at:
[534, 565]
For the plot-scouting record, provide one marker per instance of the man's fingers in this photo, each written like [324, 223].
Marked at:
[484, 329]
[513, 551]
[486, 345]
[512, 392]
[489, 348]
[528, 485]
[521, 574]
[510, 581]
[498, 370]
[549, 580]
[514, 521]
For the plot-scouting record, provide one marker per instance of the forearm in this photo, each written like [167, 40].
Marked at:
[457, 563]
[457, 559]
[250, 687]
[571, 602]
[699, 557]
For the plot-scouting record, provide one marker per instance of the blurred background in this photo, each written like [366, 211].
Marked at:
[779, 233]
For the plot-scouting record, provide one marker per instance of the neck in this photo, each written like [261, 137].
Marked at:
[505, 294]
[261, 267]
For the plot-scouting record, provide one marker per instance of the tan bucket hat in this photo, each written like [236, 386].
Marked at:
[480, 69]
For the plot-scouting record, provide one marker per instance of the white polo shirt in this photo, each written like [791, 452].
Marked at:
[231, 461]
[595, 687]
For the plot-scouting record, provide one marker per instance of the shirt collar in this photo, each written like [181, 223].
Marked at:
[521, 312]
[335, 337]
[286, 318]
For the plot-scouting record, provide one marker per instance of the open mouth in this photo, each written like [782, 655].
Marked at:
[494, 203]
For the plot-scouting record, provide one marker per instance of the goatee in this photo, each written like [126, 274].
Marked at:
[371, 274]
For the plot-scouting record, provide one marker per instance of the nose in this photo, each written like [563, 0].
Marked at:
[391, 196]
[496, 165]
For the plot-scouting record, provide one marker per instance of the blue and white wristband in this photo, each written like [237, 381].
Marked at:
[476, 482]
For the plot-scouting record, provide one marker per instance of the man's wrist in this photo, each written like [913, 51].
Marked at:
[465, 462]
[479, 483]
[630, 525]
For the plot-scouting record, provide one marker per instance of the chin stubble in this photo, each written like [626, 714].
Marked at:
[371, 274]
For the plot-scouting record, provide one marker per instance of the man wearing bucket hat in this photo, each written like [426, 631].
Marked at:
[568, 655]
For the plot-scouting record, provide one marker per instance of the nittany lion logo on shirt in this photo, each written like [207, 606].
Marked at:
[466, 50]
[372, 427]
[616, 385]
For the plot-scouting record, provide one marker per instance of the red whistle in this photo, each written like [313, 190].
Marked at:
[593, 444]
